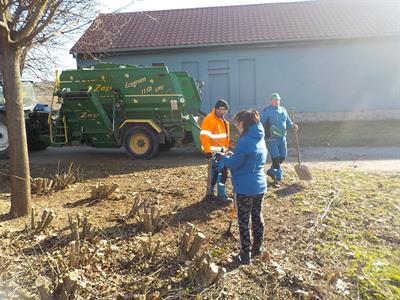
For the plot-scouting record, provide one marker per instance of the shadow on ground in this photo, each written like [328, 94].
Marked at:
[289, 190]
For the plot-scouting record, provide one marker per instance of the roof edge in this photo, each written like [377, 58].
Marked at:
[266, 43]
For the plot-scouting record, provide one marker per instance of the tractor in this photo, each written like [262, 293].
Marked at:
[36, 121]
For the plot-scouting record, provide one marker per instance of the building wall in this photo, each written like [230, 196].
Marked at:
[334, 77]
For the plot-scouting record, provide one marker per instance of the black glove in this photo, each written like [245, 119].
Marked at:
[219, 155]
[208, 155]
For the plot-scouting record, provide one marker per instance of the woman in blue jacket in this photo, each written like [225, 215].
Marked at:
[249, 182]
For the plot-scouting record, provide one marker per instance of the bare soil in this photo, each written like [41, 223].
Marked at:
[315, 241]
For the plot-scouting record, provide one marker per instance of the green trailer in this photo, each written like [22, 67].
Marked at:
[143, 109]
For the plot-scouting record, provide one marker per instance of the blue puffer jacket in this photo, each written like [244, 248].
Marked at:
[246, 164]
[276, 121]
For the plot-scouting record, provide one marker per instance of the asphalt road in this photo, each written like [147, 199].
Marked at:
[372, 158]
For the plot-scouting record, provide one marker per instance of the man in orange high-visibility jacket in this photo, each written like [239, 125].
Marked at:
[214, 137]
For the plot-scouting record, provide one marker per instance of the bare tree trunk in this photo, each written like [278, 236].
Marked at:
[18, 149]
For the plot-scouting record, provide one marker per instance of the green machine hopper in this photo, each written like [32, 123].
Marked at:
[143, 109]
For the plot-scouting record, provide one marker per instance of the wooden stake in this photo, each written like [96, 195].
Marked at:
[205, 272]
[72, 254]
[186, 237]
[209, 275]
[185, 243]
[48, 220]
[147, 222]
[33, 218]
[75, 235]
[70, 221]
[198, 240]
[85, 228]
[137, 205]
[45, 214]
[149, 250]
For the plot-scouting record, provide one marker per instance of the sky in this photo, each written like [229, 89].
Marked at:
[145, 5]
[107, 6]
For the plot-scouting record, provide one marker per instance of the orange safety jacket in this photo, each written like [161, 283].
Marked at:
[214, 133]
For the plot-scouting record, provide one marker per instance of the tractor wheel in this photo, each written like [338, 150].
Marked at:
[167, 145]
[141, 142]
[3, 137]
[33, 132]
[37, 145]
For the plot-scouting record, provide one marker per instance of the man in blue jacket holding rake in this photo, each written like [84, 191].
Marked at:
[276, 121]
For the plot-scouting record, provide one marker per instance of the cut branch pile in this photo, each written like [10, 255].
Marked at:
[42, 285]
[66, 287]
[87, 231]
[189, 234]
[136, 206]
[102, 191]
[151, 220]
[44, 222]
[41, 186]
[58, 182]
[79, 254]
[64, 180]
[149, 247]
[205, 272]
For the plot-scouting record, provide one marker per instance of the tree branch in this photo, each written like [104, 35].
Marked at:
[6, 33]
[46, 22]
[53, 22]
[32, 22]
[5, 26]
[17, 15]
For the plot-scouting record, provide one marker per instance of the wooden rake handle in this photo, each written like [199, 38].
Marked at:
[297, 138]
[233, 212]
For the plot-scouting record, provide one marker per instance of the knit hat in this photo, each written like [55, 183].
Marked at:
[221, 103]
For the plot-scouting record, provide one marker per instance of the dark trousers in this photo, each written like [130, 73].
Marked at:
[224, 176]
[246, 207]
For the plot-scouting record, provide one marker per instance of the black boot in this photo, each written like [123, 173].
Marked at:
[256, 251]
[271, 174]
[243, 258]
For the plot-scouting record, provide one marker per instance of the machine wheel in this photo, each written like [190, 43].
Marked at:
[4, 144]
[37, 145]
[167, 145]
[33, 133]
[141, 142]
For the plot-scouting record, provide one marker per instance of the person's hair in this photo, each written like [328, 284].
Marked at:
[248, 117]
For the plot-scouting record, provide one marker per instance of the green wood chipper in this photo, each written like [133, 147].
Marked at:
[143, 109]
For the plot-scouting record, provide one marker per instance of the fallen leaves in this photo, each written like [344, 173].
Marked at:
[304, 258]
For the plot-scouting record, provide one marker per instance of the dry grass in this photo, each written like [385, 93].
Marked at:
[333, 238]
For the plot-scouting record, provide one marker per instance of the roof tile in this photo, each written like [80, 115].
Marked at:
[226, 25]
